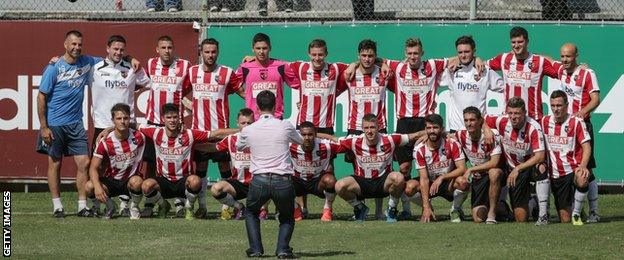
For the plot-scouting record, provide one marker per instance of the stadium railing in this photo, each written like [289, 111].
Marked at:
[247, 11]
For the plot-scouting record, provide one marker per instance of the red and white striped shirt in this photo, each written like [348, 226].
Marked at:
[564, 142]
[211, 109]
[124, 156]
[318, 92]
[439, 161]
[309, 165]
[415, 90]
[478, 152]
[241, 161]
[168, 85]
[373, 161]
[174, 155]
[523, 78]
[518, 145]
[578, 86]
[367, 94]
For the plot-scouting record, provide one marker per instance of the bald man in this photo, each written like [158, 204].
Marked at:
[581, 86]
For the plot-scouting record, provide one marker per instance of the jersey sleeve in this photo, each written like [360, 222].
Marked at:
[495, 63]
[223, 145]
[548, 69]
[346, 142]
[497, 149]
[582, 135]
[440, 65]
[400, 139]
[234, 83]
[495, 81]
[556, 65]
[295, 66]
[147, 131]
[92, 60]
[336, 148]
[200, 136]
[100, 150]
[48, 80]
[141, 78]
[186, 84]
[290, 78]
[491, 120]
[421, 163]
[446, 79]
[341, 83]
[456, 151]
[537, 140]
[393, 64]
[591, 82]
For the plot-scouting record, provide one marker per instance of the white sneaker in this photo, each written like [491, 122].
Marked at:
[225, 9]
[214, 8]
[151, 10]
[173, 10]
[135, 213]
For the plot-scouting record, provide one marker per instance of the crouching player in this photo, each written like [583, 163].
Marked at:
[235, 188]
[311, 160]
[373, 176]
[121, 151]
[441, 166]
[175, 175]
[569, 150]
[484, 159]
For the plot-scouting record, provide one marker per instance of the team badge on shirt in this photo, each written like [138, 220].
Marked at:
[566, 129]
[180, 141]
[217, 78]
[522, 135]
[575, 77]
[318, 153]
[134, 141]
[264, 74]
[476, 76]
[124, 74]
[443, 151]
[530, 65]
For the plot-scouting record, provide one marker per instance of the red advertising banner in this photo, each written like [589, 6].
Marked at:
[29, 46]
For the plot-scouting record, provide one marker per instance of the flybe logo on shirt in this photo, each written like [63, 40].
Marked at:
[115, 84]
[164, 79]
[466, 86]
[519, 75]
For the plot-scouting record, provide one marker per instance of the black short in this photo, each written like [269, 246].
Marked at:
[201, 156]
[169, 189]
[520, 194]
[96, 132]
[590, 128]
[563, 191]
[445, 191]
[371, 188]
[115, 187]
[407, 125]
[349, 156]
[479, 196]
[303, 187]
[240, 188]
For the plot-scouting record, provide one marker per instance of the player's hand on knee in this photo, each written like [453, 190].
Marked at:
[582, 172]
[511, 180]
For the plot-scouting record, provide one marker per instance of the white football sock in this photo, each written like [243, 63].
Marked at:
[579, 197]
[459, 196]
[542, 188]
[329, 199]
[57, 203]
[82, 204]
[393, 201]
[124, 199]
[179, 203]
[190, 199]
[135, 199]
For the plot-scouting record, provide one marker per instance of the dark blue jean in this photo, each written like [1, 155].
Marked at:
[158, 4]
[281, 191]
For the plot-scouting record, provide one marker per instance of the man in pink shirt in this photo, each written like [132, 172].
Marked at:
[264, 73]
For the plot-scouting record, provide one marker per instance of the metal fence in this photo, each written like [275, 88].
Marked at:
[257, 11]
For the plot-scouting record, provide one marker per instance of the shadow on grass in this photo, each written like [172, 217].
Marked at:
[324, 253]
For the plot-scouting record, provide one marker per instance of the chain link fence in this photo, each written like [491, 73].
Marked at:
[258, 11]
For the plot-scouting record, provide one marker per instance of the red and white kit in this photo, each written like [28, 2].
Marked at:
[309, 165]
[367, 94]
[373, 161]
[523, 78]
[578, 86]
[168, 85]
[124, 156]
[415, 90]
[478, 152]
[241, 161]
[564, 142]
[318, 92]
[518, 145]
[174, 154]
[211, 109]
[439, 161]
